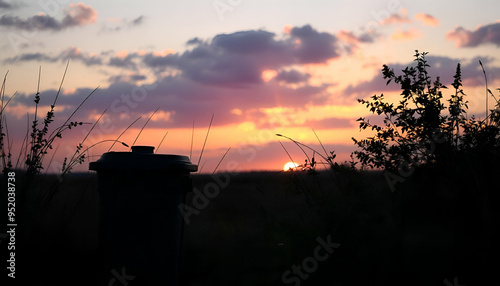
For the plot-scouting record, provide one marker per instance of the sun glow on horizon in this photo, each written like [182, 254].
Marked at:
[290, 166]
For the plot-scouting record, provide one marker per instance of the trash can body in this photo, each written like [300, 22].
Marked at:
[140, 222]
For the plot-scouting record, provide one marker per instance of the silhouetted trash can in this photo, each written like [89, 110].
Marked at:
[140, 222]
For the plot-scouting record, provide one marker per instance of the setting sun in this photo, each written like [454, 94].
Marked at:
[290, 165]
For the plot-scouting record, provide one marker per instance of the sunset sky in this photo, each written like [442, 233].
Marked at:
[260, 67]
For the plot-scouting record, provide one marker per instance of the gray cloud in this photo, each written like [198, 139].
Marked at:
[71, 53]
[77, 15]
[30, 57]
[7, 5]
[123, 24]
[37, 22]
[11, 5]
[124, 62]
[137, 21]
[292, 76]
[441, 66]
[127, 78]
[194, 41]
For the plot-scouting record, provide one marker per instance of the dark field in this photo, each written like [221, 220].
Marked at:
[262, 224]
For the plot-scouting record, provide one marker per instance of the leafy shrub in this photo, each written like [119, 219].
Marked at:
[417, 131]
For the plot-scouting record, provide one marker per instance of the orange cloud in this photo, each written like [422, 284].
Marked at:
[410, 34]
[347, 36]
[73, 51]
[287, 29]
[68, 91]
[162, 116]
[121, 54]
[163, 53]
[81, 14]
[427, 19]
[402, 17]
[267, 75]
[237, 111]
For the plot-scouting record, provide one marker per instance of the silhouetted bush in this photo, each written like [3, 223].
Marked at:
[417, 131]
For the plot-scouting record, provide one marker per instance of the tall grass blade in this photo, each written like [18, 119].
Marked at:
[34, 130]
[6, 161]
[192, 138]
[143, 127]
[60, 85]
[298, 145]
[201, 168]
[80, 145]
[10, 98]
[40, 76]
[2, 98]
[74, 162]
[119, 136]
[216, 167]
[93, 126]
[75, 111]
[59, 130]
[158, 148]
[486, 86]
[286, 151]
[206, 137]
[51, 159]
[24, 145]
[326, 153]
[307, 191]
[2, 90]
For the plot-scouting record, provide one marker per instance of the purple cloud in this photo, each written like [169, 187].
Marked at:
[314, 47]
[441, 66]
[292, 76]
[238, 59]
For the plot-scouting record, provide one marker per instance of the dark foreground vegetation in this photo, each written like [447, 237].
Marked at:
[261, 224]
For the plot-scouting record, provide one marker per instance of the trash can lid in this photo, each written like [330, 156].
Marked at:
[143, 158]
